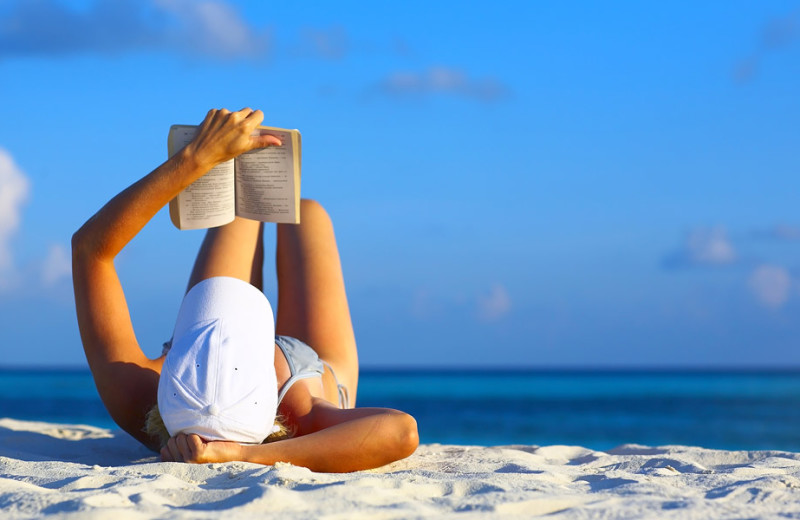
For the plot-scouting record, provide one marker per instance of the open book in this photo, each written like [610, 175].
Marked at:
[262, 184]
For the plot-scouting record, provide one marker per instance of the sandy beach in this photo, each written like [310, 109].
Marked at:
[75, 471]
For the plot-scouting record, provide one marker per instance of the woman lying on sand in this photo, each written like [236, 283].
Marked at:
[231, 378]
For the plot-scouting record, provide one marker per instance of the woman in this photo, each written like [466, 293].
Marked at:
[326, 432]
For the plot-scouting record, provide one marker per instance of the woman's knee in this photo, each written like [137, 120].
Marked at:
[312, 211]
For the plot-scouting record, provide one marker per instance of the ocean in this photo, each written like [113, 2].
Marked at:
[595, 409]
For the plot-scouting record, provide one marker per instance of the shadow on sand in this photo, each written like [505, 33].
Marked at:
[89, 445]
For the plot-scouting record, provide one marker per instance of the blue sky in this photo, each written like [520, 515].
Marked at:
[513, 184]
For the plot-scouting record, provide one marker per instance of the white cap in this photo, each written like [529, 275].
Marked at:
[218, 379]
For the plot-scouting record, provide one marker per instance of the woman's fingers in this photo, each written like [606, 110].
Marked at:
[224, 135]
[166, 456]
[267, 140]
[172, 452]
[216, 115]
[183, 448]
[193, 449]
[254, 115]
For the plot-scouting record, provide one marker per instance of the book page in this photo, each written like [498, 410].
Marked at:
[268, 180]
[210, 200]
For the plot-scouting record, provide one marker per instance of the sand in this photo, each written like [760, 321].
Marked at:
[74, 471]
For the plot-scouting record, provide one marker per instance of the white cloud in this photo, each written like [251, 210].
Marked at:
[703, 247]
[56, 266]
[214, 28]
[784, 232]
[771, 285]
[331, 44]
[489, 306]
[424, 305]
[14, 192]
[777, 33]
[208, 27]
[710, 246]
[495, 304]
[442, 80]
[781, 31]
[14, 188]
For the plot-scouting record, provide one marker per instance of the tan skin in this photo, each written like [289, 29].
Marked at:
[312, 306]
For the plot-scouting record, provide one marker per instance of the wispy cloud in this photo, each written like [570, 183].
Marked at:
[331, 43]
[214, 28]
[14, 188]
[57, 265]
[777, 33]
[425, 305]
[14, 193]
[442, 80]
[782, 232]
[49, 28]
[495, 304]
[702, 247]
[210, 29]
[782, 31]
[488, 305]
[771, 285]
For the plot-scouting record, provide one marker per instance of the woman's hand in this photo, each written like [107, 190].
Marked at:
[192, 448]
[223, 135]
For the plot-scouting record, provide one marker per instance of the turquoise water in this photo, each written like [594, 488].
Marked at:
[600, 410]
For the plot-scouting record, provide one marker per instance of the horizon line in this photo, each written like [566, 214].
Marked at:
[499, 369]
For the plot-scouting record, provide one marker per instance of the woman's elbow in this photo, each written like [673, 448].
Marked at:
[77, 241]
[85, 246]
[80, 244]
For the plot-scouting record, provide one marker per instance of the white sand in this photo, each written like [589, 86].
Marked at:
[72, 471]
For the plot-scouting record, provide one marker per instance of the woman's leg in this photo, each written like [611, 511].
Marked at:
[312, 304]
[235, 250]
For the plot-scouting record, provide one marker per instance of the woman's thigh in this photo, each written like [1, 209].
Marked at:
[312, 302]
[235, 250]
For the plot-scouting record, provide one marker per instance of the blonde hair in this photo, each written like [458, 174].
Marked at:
[154, 427]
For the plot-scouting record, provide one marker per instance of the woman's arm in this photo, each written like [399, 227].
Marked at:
[364, 438]
[125, 378]
[221, 136]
